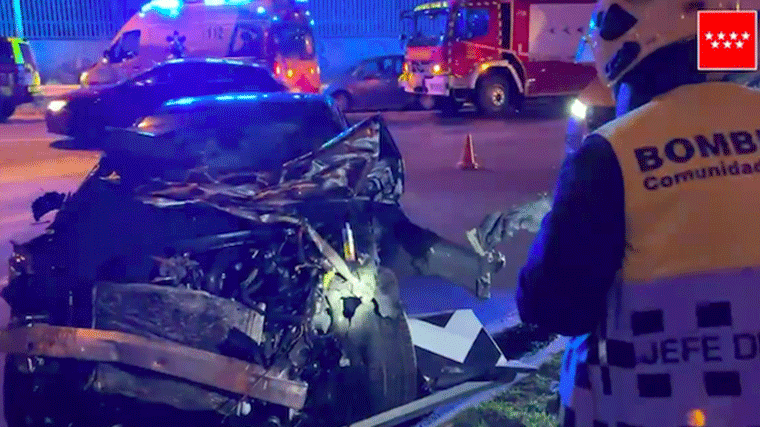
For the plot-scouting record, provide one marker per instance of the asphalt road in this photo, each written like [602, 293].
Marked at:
[519, 158]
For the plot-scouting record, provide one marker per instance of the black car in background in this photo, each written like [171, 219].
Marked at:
[85, 113]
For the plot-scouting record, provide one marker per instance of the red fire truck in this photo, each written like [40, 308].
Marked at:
[494, 53]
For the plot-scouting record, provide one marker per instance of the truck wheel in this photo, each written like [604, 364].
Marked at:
[6, 110]
[494, 96]
[343, 100]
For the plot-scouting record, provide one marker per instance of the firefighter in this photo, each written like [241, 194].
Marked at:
[650, 254]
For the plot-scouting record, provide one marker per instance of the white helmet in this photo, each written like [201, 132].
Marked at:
[623, 32]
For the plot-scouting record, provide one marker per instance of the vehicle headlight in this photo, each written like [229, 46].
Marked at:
[578, 109]
[57, 105]
[83, 78]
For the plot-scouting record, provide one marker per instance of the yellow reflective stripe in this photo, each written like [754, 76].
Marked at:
[433, 5]
[19, 57]
[327, 279]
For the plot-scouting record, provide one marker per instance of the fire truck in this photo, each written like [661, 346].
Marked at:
[274, 33]
[494, 53]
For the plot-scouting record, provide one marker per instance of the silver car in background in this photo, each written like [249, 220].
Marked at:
[372, 84]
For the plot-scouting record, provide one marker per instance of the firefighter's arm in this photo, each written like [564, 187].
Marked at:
[580, 247]
[433, 255]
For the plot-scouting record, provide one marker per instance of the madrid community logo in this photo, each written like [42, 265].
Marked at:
[727, 40]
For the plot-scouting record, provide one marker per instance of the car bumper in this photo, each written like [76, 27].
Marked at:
[425, 85]
[60, 122]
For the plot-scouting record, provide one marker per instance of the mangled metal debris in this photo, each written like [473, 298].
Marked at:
[190, 284]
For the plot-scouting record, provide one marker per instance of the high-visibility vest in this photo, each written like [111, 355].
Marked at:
[681, 341]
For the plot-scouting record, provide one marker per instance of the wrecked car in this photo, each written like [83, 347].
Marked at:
[226, 261]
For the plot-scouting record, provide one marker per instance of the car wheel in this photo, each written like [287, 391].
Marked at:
[494, 96]
[381, 370]
[343, 101]
[6, 110]
[448, 106]
[427, 102]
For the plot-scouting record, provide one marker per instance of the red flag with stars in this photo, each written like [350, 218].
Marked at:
[727, 40]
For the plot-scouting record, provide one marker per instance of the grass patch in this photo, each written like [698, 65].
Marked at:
[529, 403]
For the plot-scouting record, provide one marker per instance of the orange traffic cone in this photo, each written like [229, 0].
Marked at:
[468, 156]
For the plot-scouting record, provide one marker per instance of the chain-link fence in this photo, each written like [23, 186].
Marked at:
[63, 19]
[359, 18]
[101, 19]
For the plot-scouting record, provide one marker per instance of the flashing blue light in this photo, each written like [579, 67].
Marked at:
[311, 22]
[168, 8]
[181, 101]
[308, 13]
[225, 98]
[226, 2]
[245, 97]
[260, 10]
[302, 1]
[275, 18]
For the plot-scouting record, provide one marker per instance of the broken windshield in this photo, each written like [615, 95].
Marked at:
[429, 27]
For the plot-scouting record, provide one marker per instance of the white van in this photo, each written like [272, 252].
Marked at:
[274, 33]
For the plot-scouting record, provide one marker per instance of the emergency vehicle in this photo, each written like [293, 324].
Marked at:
[19, 76]
[274, 33]
[495, 53]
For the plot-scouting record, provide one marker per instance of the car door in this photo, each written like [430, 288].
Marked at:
[249, 78]
[214, 78]
[122, 104]
[196, 78]
[368, 92]
[397, 98]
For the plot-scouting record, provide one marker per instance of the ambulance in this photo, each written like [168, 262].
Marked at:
[274, 33]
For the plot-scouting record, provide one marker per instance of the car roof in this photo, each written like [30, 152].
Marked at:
[211, 61]
[375, 58]
[245, 98]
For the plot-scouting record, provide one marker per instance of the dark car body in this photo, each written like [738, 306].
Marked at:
[19, 77]
[248, 130]
[372, 85]
[87, 111]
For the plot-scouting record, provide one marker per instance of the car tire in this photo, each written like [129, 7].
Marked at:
[343, 100]
[382, 373]
[494, 96]
[6, 110]
[448, 106]
[426, 102]
[89, 131]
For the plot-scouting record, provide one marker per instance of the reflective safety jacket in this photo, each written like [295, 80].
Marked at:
[680, 344]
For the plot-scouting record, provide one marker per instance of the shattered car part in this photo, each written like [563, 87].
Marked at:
[176, 360]
[46, 203]
[499, 226]
[233, 266]
[194, 318]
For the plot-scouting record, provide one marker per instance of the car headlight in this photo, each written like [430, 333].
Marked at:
[83, 78]
[57, 105]
[578, 109]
